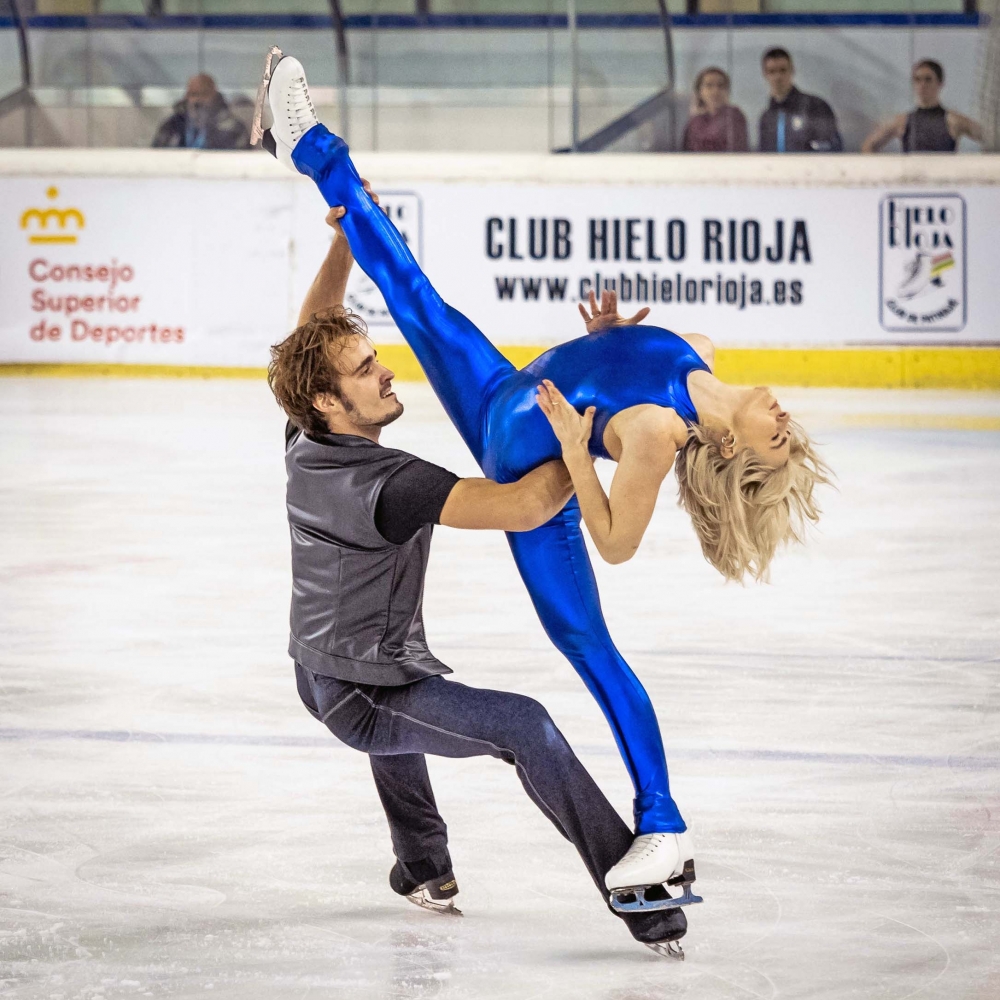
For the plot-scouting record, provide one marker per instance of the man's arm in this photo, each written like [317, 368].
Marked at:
[422, 493]
[330, 284]
[766, 140]
[521, 506]
[826, 135]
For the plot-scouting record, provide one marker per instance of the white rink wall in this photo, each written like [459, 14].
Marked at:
[201, 259]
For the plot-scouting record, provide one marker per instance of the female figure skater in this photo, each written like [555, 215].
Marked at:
[746, 471]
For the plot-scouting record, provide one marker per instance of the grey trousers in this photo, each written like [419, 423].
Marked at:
[396, 726]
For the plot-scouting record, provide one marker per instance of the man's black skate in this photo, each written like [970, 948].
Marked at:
[436, 894]
[659, 930]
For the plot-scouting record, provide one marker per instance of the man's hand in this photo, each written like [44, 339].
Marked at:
[571, 427]
[605, 315]
[336, 213]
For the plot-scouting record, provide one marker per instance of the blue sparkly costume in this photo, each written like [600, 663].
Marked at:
[493, 406]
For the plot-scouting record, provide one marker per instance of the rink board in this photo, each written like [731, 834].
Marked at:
[203, 265]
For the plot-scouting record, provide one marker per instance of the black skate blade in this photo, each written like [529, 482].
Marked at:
[634, 899]
[257, 127]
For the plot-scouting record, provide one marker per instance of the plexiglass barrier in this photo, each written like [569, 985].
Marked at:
[507, 75]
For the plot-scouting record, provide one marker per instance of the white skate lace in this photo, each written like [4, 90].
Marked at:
[644, 846]
[299, 107]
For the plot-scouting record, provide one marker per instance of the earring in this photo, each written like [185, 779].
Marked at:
[729, 441]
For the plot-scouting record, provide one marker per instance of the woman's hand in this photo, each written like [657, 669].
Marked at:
[571, 427]
[605, 315]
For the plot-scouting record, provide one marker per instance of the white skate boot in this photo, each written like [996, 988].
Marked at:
[284, 111]
[917, 276]
[654, 861]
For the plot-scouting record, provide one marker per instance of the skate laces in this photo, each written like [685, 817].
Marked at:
[299, 107]
[644, 845]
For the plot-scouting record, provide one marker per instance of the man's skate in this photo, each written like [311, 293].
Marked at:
[283, 112]
[436, 894]
[638, 883]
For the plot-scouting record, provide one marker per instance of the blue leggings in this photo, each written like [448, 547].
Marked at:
[468, 373]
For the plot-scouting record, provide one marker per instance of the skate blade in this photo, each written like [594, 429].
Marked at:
[446, 907]
[271, 60]
[666, 949]
[632, 899]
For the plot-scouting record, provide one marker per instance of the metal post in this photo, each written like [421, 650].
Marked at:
[343, 68]
[574, 73]
[20, 23]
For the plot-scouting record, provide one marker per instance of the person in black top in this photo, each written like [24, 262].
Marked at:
[361, 517]
[928, 128]
[794, 122]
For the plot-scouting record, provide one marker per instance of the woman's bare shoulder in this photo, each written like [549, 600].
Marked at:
[644, 428]
[704, 347]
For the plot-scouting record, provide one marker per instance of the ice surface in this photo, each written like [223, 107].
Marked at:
[174, 824]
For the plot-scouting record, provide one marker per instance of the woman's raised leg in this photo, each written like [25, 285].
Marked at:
[460, 362]
[556, 569]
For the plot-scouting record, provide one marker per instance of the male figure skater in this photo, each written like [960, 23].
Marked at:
[361, 517]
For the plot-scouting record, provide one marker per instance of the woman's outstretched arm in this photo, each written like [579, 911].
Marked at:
[617, 522]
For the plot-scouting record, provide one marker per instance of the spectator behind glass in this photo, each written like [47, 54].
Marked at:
[794, 122]
[202, 120]
[928, 128]
[715, 125]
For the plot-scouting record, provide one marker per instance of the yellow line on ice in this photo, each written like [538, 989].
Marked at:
[850, 367]
[922, 421]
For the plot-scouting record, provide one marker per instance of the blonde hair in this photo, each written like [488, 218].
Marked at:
[743, 509]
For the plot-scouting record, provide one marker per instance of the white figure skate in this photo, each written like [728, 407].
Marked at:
[916, 276]
[654, 861]
[283, 112]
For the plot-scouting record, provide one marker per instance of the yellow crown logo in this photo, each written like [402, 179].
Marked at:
[62, 216]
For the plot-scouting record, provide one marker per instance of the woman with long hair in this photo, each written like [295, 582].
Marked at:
[640, 395]
[715, 125]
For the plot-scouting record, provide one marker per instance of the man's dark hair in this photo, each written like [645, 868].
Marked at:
[302, 365]
[776, 53]
[934, 66]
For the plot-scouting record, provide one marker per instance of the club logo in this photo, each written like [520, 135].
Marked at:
[922, 260]
[404, 210]
[36, 222]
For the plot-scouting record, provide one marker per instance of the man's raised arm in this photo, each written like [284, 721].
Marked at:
[330, 284]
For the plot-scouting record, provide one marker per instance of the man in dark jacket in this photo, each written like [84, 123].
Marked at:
[794, 122]
[203, 120]
[361, 517]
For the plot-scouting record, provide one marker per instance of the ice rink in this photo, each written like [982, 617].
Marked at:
[174, 824]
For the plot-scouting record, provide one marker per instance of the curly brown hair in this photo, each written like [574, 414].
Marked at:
[302, 365]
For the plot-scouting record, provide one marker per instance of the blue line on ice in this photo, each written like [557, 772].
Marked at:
[958, 762]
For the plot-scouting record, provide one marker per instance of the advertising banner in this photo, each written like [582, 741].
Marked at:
[189, 271]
